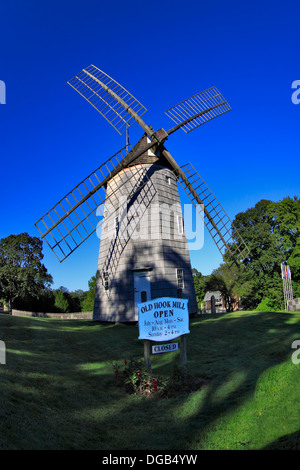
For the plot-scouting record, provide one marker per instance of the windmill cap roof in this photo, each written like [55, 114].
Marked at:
[148, 157]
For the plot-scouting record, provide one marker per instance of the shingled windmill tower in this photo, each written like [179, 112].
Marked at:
[133, 200]
[143, 251]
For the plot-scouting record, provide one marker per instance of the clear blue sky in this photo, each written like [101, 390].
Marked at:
[163, 52]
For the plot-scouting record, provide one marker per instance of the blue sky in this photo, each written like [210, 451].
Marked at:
[162, 52]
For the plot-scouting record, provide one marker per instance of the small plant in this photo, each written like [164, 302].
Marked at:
[136, 379]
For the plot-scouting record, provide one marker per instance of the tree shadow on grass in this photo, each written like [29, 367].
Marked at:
[287, 442]
[236, 350]
[58, 389]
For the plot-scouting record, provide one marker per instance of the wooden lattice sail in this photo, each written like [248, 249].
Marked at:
[138, 261]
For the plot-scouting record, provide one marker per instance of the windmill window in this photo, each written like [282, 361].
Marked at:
[180, 224]
[180, 279]
[143, 296]
[168, 180]
[105, 279]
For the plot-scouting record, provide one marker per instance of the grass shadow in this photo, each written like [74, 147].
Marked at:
[58, 389]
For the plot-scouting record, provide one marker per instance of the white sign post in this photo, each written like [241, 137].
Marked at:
[163, 319]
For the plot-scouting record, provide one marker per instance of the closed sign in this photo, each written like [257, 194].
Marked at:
[162, 348]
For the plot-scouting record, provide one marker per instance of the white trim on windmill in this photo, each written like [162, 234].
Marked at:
[180, 224]
[180, 278]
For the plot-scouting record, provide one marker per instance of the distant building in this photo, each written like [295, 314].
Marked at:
[220, 303]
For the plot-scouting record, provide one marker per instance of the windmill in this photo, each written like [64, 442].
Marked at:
[138, 260]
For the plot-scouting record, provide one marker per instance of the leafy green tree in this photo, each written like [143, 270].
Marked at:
[88, 302]
[63, 289]
[215, 282]
[44, 303]
[23, 277]
[61, 302]
[199, 283]
[70, 301]
[286, 229]
[75, 300]
[231, 276]
[271, 232]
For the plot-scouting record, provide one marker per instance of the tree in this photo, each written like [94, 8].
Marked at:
[63, 289]
[23, 277]
[286, 229]
[61, 302]
[88, 302]
[199, 283]
[227, 280]
[66, 301]
[75, 300]
[271, 231]
[215, 282]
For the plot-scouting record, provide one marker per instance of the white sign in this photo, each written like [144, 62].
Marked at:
[163, 319]
[162, 348]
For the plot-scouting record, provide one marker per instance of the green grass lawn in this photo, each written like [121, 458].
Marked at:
[58, 389]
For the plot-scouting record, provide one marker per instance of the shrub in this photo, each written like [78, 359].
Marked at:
[267, 304]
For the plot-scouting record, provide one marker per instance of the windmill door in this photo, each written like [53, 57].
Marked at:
[142, 289]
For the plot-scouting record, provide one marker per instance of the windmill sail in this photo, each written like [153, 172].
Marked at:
[108, 97]
[197, 110]
[74, 218]
[228, 240]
